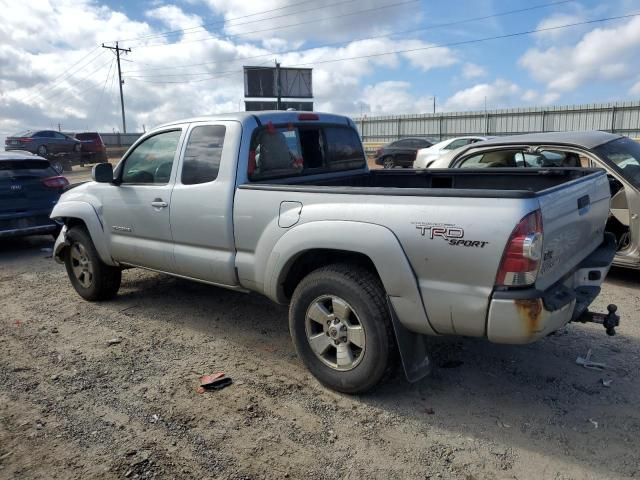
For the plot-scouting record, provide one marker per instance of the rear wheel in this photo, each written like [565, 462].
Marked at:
[57, 165]
[91, 278]
[388, 162]
[341, 328]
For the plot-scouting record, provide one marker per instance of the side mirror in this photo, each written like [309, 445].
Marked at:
[102, 173]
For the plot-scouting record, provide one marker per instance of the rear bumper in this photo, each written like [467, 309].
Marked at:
[35, 230]
[35, 223]
[524, 316]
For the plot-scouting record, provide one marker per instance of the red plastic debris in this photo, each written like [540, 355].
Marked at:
[215, 381]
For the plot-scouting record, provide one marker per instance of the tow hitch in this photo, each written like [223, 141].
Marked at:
[609, 321]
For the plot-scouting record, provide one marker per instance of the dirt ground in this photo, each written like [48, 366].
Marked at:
[72, 405]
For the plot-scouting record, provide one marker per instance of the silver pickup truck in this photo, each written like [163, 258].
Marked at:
[370, 262]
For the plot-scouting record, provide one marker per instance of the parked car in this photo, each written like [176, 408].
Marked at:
[29, 189]
[283, 204]
[619, 156]
[93, 148]
[400, 153]
[426, 156]
[43, 142]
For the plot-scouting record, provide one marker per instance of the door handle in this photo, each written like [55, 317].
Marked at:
[159, 203]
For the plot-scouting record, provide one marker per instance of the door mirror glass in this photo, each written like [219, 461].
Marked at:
[102, 173]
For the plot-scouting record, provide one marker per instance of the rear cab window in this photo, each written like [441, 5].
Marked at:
[295, 150]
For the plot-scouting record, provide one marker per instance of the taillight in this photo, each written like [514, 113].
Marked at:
[55, 182]
[25, 140]
[521, 258]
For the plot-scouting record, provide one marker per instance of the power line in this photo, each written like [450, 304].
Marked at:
[62, 77]
[478, 40]
[61, 94]
[269, 54]
[452, 44]
[228, 73]
[280, 27]
[66, 71]
[104, 86]
[191, 30]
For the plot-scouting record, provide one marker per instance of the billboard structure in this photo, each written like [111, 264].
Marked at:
[276, 84]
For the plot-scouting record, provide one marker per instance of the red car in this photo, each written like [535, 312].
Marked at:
[93, 148]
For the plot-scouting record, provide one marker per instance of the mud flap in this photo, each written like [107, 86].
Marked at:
[413, 350]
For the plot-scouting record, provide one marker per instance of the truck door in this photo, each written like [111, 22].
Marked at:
[202, 203]
[136, 212]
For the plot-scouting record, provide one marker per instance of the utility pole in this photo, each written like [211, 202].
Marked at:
[434, 104]
[278, 87]
[118, 50]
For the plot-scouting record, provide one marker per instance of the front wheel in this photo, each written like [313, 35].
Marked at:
[341, 328]
[91, 278]
[388, 162]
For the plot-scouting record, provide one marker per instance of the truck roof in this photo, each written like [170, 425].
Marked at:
[590, 139]
[276, 116]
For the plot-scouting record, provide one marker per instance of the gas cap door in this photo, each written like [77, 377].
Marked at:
[289, 214]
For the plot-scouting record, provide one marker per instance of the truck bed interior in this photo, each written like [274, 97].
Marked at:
[437, 182]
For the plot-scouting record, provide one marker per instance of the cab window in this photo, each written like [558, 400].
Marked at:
[152, 160]
[202, 155]
[303, 150]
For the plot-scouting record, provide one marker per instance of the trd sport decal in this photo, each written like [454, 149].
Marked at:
[452, 234]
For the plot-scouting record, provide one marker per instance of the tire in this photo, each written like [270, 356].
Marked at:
[332, 287]
[388, 162]
[91, 278]
[42, 151]
[57, 165]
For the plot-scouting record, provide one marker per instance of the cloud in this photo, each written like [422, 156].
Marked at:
[179, 76]
[601, 55]
[553, 34]
[499, 94]
[393, 96]
[174, 18]
[635, 89]
[471, 70]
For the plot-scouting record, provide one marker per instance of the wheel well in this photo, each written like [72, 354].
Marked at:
[311, 260]
[75, 222]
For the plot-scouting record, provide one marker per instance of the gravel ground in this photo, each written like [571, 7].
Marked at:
[73, 404]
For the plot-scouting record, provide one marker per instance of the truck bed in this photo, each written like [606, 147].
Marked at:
[509, 183]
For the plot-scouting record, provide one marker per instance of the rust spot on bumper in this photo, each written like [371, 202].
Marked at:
[530, 312]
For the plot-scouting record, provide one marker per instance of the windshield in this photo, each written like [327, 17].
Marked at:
[624, 154]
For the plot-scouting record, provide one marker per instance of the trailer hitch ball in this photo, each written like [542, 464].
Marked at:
[611, 321]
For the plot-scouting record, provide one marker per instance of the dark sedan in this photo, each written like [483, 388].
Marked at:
[400, 153]
[29, 188]
[43, 142]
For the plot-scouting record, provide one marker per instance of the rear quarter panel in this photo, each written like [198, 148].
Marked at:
[454, 280]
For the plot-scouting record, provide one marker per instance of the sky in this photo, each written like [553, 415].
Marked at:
[369, 57]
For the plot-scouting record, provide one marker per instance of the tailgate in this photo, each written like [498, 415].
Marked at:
[573, 218]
